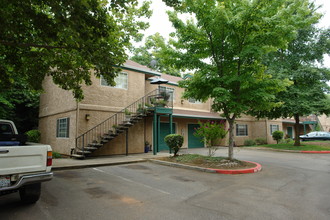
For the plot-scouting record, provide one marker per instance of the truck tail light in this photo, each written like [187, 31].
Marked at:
[49, 158]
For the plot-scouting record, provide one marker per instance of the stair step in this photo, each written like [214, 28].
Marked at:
[95, 145]
[91, 148]
[107, 137]
[83, 152]
[78, 156]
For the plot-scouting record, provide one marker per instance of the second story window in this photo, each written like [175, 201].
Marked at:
[121, 81]
[169, 92]
[192, 100]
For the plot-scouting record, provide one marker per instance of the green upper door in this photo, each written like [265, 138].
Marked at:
[164, 130]
[194, 142]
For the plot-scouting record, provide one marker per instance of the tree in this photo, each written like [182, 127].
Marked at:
[155, 50]
[225, 43]
[66, 39]
[307, 95]
[210, 131]
[20, 104]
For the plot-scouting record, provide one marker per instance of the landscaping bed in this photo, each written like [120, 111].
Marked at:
[209, 162]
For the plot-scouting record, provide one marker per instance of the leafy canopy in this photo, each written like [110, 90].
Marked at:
[225, 43]
[156, 50]
[66, 39]
[299, 62]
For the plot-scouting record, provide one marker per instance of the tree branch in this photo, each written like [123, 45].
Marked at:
[7, 43]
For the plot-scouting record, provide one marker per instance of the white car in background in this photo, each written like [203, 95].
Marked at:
[316, 135]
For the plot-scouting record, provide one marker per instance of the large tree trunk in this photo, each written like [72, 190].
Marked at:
[231, 139]
[296, 130]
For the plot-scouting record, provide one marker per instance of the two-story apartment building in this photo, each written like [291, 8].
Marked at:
[120, 119]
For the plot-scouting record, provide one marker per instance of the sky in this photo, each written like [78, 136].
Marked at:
[159, 21]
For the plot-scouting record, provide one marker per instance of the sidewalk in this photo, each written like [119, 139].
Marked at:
[71, 163]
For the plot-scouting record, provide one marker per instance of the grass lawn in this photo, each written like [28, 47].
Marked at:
[305, 146]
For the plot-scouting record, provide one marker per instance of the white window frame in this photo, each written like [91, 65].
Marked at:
[194, 101]
[117, 80]
[242, 130]
[168, 89]
[63, 127]
[274, 128]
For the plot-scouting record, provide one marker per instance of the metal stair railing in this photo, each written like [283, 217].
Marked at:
[112, 124]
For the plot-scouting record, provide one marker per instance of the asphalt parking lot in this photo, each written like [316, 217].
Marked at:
[290, 186]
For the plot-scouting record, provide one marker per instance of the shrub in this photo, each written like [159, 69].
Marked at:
[33, 136]
[261, 141]
[56, 155]
[277, 135]
[209, 131]
[174, 142]
[249, 142]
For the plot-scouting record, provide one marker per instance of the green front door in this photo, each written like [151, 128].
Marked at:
[290, 133]
[164, 130]
[194, 142]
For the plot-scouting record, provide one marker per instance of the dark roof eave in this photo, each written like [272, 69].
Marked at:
[136, 69]
[197, 116]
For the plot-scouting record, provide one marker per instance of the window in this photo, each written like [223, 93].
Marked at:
[169, 91]
[274, 128]
[192, 100]
[121, 81]
[62, 128]
[241, 130]
[6, 128]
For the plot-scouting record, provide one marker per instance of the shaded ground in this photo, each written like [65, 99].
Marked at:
[209, 162]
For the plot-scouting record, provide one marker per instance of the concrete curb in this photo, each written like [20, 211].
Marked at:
[209, 170]
[80, 166]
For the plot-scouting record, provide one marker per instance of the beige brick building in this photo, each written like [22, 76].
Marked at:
[120, 119]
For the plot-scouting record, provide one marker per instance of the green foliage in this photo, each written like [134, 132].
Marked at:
[299, 62]
[56, 155]
[66, 39]
[209, 131]
[249, 142]
[33, 136]
[235, 35]
[174, 142]
[156, 49]
[277, 135]
[20, 104]
[261, 141]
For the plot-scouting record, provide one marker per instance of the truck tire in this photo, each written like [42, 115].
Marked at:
[30, 193]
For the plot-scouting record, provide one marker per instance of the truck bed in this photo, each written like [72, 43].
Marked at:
[23, 159]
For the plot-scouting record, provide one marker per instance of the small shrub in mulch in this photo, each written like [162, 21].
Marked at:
[209, 162]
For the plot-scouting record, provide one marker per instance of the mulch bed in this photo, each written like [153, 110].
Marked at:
[219, 164]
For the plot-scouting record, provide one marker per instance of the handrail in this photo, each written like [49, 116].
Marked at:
[109, 125]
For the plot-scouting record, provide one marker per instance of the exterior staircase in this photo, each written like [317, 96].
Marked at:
[120, 122]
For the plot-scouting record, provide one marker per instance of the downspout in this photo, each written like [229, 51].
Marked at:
[266, 130]
[77, 118]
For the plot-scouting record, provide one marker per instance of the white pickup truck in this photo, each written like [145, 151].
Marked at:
[23, 166]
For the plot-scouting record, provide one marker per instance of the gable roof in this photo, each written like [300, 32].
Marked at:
[131, 65]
